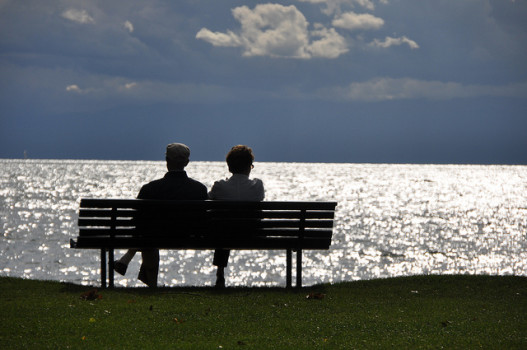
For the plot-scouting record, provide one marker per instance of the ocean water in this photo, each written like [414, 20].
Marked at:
[391, 220]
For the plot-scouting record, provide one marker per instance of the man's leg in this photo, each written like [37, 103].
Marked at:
[149, 267]
[221, 259]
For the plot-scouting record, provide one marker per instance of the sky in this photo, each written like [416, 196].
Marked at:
[352, 81]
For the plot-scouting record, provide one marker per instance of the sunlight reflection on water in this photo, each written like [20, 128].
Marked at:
[391, 220]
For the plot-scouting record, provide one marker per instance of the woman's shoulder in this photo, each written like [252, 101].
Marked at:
[220, 182]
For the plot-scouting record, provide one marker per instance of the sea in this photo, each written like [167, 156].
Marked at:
[391, 220]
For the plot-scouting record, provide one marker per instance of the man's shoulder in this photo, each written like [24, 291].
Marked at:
[151, 188]
[196, 183]
[170, 179]
[154, 183]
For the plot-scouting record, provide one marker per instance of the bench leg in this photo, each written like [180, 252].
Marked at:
[288, 269]
[103, 268]
[110, 267]
[299, 268]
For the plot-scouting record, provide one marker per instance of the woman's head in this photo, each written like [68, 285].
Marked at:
[240, 159]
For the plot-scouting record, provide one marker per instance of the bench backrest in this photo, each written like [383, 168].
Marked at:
[130, 223]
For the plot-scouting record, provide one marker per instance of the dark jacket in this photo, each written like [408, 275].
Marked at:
[175, 185]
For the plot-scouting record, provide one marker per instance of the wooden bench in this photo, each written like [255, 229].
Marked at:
[109, 224]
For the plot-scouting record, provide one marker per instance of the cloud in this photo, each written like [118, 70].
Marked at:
[277, 31]
[104, 86]
[389, 89]
[218, 38]
[128, 26]
[282, 31]
[334, 6]
[130, 85]
[73, 88]
[274, 30]
[101, 91]
[331, 44]
[79, 16]
[354, 21]
[389, 41]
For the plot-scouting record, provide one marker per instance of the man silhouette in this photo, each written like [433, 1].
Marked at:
[175, 185]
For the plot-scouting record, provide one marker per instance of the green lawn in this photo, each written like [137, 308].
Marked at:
[452, 312]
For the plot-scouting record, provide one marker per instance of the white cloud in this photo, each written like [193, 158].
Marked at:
[218, 38]
[331, 44]
[389, 41]
[354, 21]
[128, 26]
[79, 16]
[274, 30]
[334, 6]
[73, 88]
[277, 31]
[387, 89]
[100, 86]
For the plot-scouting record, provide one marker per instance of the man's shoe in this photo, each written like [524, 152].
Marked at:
[120, 268]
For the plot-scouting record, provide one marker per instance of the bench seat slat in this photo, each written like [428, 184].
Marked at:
[226, 223]
[217, 224]
[208, 204]
[271, 214]
[128, 232]
[274, 214]
[106, 213]
[260, 243]
[285, 232]
[106, 222]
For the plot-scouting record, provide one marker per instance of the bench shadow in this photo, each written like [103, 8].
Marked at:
[201, 290]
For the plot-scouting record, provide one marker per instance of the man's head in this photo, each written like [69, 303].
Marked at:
[177, 156]
[240, 159]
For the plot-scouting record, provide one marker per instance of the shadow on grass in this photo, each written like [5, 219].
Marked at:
[191, 290]
[431, 285]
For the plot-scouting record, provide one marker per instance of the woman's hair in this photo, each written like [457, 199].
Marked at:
[239, 159]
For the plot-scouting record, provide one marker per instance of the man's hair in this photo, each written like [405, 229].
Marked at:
[176, 164]
[239, 158]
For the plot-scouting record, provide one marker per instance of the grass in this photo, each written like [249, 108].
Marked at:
[430, 312]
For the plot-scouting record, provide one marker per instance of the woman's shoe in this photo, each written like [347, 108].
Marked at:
[220, 282]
